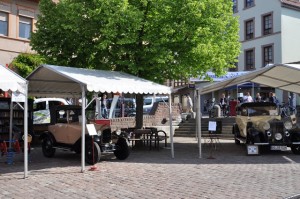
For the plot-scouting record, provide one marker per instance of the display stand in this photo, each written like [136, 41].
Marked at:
[212, 127]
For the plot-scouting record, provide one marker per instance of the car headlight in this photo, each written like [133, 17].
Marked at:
[266, 126]
[288, 125]
[278, 136]
[118, 132]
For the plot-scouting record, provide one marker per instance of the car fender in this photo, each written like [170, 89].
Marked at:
[47, 134]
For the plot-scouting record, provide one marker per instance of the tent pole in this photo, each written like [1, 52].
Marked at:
[11, 121]
[171, 126]
[198, 116]
[26, 132]
[83, 103]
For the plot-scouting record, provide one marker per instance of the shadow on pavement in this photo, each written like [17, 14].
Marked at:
[186, 151]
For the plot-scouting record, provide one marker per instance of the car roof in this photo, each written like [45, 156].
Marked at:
[50, 99]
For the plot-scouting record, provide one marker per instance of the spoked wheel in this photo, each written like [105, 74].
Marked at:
[295, 149]
[47, 147]
[122, 149]
[92, 156]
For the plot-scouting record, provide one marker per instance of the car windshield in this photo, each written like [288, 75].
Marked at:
[147, 101]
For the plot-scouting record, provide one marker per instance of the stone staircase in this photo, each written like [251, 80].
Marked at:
[187, 128]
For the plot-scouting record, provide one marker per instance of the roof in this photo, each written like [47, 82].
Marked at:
[9, 80]
[281, 76]
[50, 80]
[291, 3]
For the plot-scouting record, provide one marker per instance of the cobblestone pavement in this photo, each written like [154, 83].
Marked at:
[222, 172]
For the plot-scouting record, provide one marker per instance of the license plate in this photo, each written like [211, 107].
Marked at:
[279, 148]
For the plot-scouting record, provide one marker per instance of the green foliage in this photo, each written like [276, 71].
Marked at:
[25, 63]
[157, 40]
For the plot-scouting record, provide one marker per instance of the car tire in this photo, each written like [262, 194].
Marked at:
[92, 156]
[295, 149]
[122, 149]
[47, 147]
[235, 131]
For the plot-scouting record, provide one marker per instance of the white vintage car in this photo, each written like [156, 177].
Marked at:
[258, 123]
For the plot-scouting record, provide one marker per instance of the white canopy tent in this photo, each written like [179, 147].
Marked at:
[9, 80]
[281, 76]
[49, 80]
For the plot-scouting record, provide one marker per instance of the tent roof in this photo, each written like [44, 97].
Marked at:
[281, 76]
[50, 80]
[9, 80]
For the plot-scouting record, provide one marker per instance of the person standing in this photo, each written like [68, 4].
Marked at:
[104, 106]
[258, 97]
[189, 104]
[248, 97]
[223, 103]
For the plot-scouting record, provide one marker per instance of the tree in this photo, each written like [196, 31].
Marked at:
[25, 63]
[156, 40]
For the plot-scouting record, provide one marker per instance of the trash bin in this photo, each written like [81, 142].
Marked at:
[232, 105]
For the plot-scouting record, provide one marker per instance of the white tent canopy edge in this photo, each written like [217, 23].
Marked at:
[9, 80]
[281, 76]
[50, 80]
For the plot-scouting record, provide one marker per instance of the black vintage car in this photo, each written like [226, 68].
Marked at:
[64, 132]
[258, 123]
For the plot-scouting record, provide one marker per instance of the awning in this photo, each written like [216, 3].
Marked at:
[9, 80]
[281, 76]
[49, 80]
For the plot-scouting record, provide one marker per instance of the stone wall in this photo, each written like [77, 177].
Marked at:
[159, 116]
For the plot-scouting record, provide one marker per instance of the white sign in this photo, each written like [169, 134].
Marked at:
[18, 97]
[91, 129]
[212, 125]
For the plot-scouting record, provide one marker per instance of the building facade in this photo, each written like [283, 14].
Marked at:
[17, 21]
[268, 32]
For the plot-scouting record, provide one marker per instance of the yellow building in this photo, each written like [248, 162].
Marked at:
[17, 21]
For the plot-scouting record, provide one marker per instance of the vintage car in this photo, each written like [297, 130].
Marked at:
[64, 132]
[258, 123]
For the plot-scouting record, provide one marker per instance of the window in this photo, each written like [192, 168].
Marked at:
[267, 24]
[249, 3]
[249, 59]
[25, 27]
[3, 23]
[235, 68]
[268, 55]
[249, 29]
[234, 8]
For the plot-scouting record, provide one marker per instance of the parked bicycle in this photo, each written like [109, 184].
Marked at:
[287, 110]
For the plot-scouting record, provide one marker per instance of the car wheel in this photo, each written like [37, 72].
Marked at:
[296, 149]
[92, 153]
[235, 131]
[122, 149]
[47, 147]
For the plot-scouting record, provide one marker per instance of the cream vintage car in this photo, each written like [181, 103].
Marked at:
[258, 123]
[64, 133]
